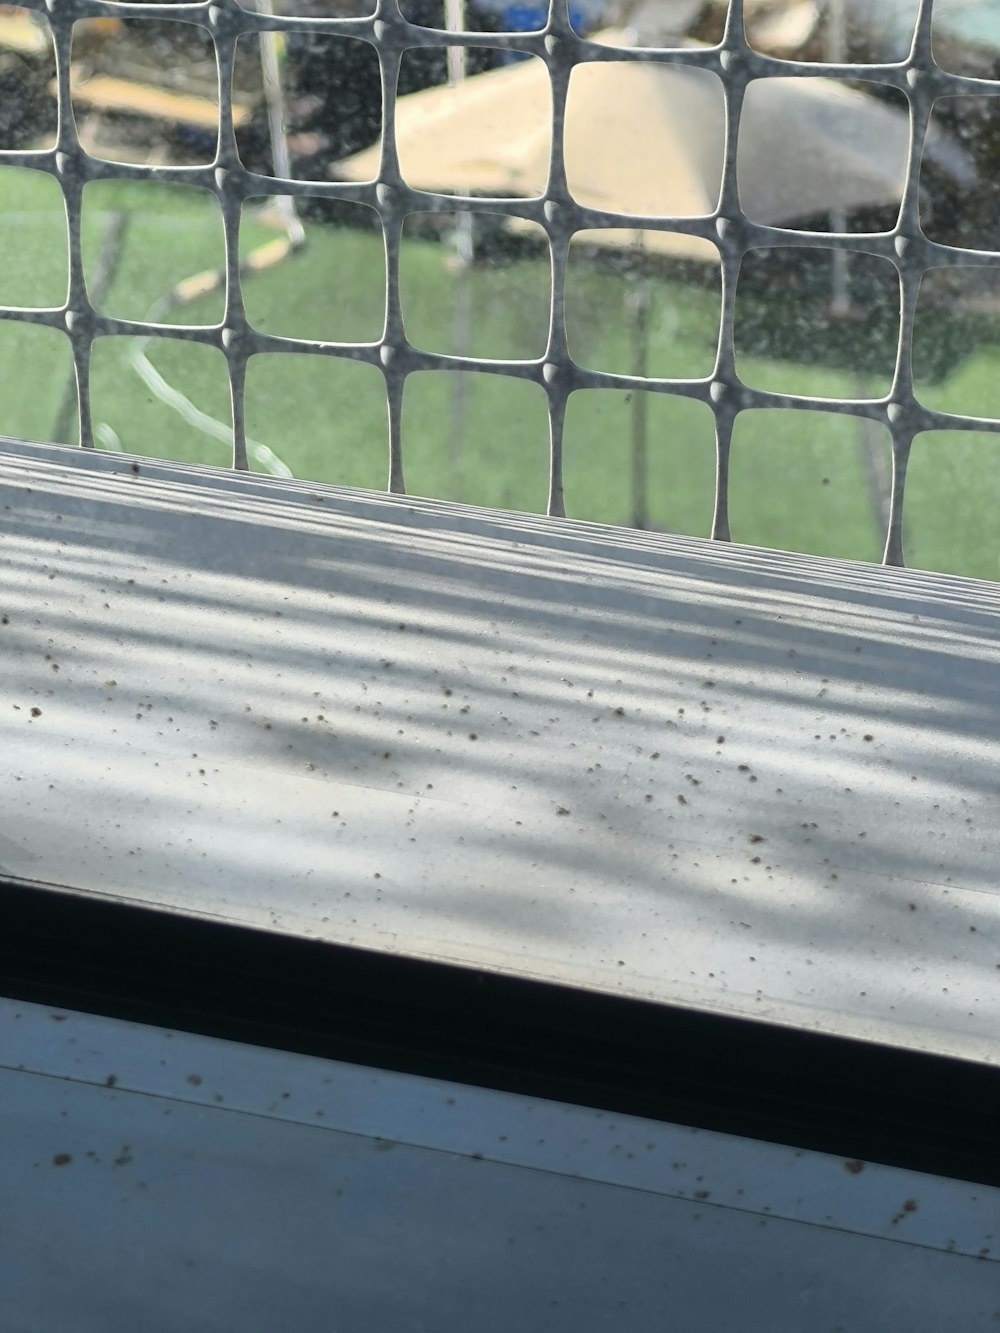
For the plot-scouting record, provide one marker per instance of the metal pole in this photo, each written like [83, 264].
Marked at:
[274, 101]
[458, 69]
[462, 259]
[836, 54]
[638, 311]
[872, 460]
[454, 13]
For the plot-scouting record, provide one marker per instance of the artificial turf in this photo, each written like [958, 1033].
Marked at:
[799, 480]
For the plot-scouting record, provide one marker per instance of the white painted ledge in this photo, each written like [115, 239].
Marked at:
[745, 781]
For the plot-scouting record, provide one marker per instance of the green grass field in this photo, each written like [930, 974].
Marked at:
[800, 481]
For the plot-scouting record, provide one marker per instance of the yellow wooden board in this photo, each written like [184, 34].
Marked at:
[103, 92]
[19, 33]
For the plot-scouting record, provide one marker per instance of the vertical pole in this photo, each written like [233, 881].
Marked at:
[274, 101]
[872, 461]
[454, 11]
[836, 54]
[458, 68]
[462, 241]
[637, 307]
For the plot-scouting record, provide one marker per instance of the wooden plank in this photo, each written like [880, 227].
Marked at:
[18, 33]
[104, 92]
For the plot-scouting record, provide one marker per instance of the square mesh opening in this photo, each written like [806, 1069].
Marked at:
[470, 286]
[143, 240]
[162, 397]
[340, 419]
[807, 32]
[633, 308]
[146, 91]
[810, 481]
[952, 499]
[956, 341]
[481, 137]
[477, 17]
[478, 438]
[28, 109]
[815, 154]
[817, 322]
[330, 101]
[641, 459]
[330, 290]
[645, 139]
[965, 36]
[960, 208]
[32, 228]
[42, 405]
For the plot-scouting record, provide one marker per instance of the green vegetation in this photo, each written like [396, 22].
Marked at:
[801, 481]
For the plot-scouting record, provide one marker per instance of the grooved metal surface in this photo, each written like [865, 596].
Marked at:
[744, 782]
[562, 49]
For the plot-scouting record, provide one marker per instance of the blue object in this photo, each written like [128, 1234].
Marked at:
[524, 18]
[529, 18]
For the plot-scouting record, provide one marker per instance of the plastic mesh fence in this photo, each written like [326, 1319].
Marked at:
[906, 245]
